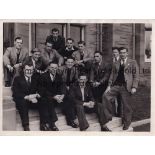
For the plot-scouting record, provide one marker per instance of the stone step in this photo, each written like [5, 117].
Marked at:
[7, 91]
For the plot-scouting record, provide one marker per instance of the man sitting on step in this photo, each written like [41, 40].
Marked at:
[123, 82]
[81, 96]
[25, 94]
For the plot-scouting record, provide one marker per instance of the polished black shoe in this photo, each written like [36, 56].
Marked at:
[53, 127]
[126, 126]
[105, 129]
[84, 129]
[26, 128]
[72, 124]
[44, 127]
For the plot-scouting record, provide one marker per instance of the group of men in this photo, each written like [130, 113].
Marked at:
[73, 79]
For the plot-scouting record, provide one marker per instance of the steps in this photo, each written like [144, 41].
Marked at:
[115, 125]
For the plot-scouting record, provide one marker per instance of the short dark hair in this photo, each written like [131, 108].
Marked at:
[123, 48]
[48, 41]
[82, 74]
[18, 38]
[70, 57]
[52, 62]
[115, 48]
[27, 63]
[82, 42]
[70, 39]
[55, 30]
[35, 50]
[98, 52]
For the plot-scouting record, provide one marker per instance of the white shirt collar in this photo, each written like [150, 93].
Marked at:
[123, 61]
[27, 78]
[69, 49]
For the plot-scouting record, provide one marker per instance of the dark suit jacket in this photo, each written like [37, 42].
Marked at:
[76, 95]
[58, 45]
[20, 87]
[100, 73]
[48, 88]
[39, 65]
[66, 53]
[131, 73]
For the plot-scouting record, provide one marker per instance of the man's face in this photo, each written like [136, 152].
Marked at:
[52, 68]
[82, 81]
[36, 56]
[97, 57]
[123, 54]
[69, 63]
[55, 34]
[69, 44]
[81, 47]
[18, 43]
[28, 71]
[115, 53]
[48, 47]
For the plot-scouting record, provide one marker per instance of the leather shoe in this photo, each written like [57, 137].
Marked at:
[44, 127]
[126, 126]
[105, 129]
[53, 127]
[72, 124]
[26, 128]
[84, 129]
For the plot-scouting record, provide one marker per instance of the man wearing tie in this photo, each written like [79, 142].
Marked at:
[69, 75]
[25, 93]
[81, 96]
[13, 59]
[124, 82]
[57, 40]
[99, 76]
[51, 92]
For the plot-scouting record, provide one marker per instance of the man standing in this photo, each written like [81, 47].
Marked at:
[99, 76]
[69, 76]
[13, 59]
[57, 40]
[25, 94]
[124, 82]
[51, 55]
[69, 49]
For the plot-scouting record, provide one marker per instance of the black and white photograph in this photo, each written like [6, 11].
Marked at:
[76, 76]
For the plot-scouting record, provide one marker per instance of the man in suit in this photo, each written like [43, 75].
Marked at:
[83, 57]
[25, 93]
[13, 59]
[69, 49]
[51, 55]
[51, 92]
[69, 76]
[57, 40]
[124, 82]
[81, 96]
[99, 76]
[117, 109]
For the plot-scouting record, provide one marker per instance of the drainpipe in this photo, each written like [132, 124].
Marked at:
[134, 40]
[100, 37]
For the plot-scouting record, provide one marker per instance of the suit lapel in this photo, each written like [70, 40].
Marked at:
[14, 54]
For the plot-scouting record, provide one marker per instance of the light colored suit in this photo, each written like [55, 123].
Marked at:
[131, 74]
[10, 56]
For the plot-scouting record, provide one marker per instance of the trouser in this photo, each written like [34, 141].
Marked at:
[68, 109]
[83, 123]
[47, 111]
[23, 107]
[126, 99]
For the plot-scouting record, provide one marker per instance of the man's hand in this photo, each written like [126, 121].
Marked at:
[10, 68]
[91, 104]
[108, 89]
[34, 100]
[17, 65]
[133, 91]
[58, 98]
